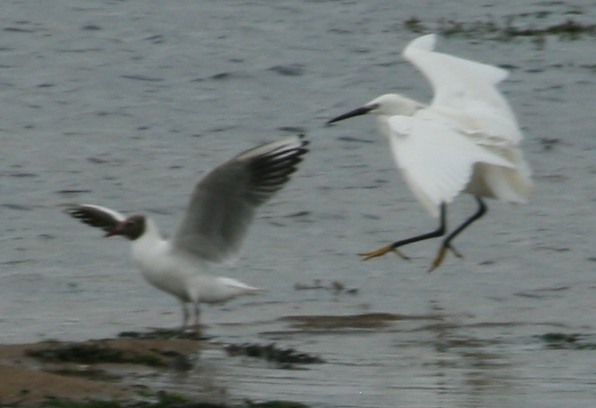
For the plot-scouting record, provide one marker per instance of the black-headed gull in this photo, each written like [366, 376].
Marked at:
[466, 140]
[221, 208]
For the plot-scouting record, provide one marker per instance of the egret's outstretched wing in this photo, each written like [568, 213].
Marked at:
[436, 161]
[466, 92]
[95, 215]
[223, 203]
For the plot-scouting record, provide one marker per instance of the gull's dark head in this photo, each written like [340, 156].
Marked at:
[132, 227]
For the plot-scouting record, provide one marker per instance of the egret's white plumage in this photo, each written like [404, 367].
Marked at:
[220, 210]
[466, 140]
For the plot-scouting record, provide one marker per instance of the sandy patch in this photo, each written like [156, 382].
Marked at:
[33, 373]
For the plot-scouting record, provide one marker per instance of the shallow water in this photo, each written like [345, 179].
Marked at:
[126, 103]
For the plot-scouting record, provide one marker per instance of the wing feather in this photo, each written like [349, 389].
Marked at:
[223, 203]
[466, 91]
[95, 215]
[436, 160]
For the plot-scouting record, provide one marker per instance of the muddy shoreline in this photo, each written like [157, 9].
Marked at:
[111, 371]
[120, 372]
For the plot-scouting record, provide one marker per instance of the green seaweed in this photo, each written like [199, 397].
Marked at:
[62, 403]
[335, 287]
[93, 353]
[166, 400]
[566, 341]
[505, 28]
[284, 358]
[165, 334]
[276, 404]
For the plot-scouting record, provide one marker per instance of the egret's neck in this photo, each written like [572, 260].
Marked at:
[408, 107]
[394, 105]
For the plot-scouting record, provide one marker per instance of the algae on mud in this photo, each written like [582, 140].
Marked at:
[33, 374]
[504, 29]
[102, 374]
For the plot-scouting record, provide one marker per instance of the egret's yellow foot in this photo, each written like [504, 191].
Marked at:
[382, 251]
[438, 261]
[439, 258]
[455, 252]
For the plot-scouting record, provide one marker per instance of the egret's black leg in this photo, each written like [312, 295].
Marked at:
[482, 209]
[439, 232]
[446, 244]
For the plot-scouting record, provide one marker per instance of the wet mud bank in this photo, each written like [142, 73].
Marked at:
[113, 372]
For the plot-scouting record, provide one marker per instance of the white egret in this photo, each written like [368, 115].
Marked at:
[220, 211]
[466, 140]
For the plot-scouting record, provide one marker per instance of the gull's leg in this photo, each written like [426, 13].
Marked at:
[184, 316]
[446, 244]
[440, 231]
[197, 314]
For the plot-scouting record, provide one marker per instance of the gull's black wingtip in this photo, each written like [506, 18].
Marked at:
[68, 208]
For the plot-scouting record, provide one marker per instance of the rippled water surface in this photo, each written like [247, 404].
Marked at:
[126, 103]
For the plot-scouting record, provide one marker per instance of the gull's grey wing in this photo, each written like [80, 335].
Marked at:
[95, 215]
[223, 202]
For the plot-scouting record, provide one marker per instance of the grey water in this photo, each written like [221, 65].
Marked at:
[127, 103]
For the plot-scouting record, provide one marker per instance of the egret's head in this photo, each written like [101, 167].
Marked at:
[387, 105]
[132, 227]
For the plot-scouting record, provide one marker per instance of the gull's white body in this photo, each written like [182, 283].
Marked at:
[181, 274]
[466, 140]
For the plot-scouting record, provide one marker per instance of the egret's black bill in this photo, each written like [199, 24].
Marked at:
[356, 112]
